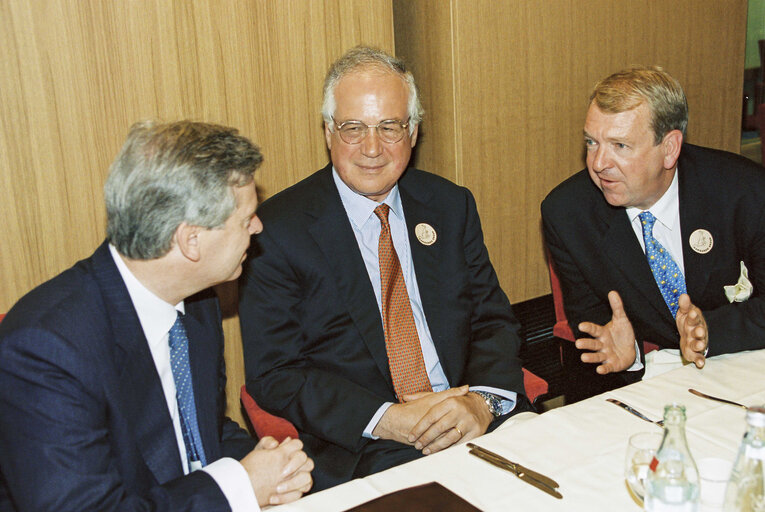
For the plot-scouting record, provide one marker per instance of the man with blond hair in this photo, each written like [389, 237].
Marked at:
[112, 373]
[371, 315]
[656, 240]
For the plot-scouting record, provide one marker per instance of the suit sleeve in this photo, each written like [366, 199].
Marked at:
[581, 302]
[494, 338]
[321, 402]
[55, 439]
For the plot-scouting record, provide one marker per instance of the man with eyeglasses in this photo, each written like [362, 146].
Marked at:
[371, 315]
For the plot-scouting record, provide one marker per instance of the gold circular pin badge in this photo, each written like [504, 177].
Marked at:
[425, 234]
[701, 241]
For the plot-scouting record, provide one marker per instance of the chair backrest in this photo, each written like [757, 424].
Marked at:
[561, 329]
[264, 423]
[535, 385]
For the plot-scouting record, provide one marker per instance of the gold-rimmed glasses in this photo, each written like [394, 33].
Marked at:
[389, 130]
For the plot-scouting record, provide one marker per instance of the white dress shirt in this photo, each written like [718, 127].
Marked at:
[366, 227]
[666, 231]
[157, 317]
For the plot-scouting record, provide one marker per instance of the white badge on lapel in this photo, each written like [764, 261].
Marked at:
[701, 241]
[425, 233]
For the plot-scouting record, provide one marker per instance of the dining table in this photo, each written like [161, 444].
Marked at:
[581, 446]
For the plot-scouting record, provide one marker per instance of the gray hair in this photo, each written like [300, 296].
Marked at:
[629, 88]
[169, 173]
[368, 57]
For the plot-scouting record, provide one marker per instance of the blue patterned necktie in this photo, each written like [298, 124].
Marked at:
[184, 393]
[666, 272]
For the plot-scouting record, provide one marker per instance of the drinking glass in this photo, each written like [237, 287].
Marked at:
[641, 449]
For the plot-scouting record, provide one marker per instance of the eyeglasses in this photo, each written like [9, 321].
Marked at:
[353, 132]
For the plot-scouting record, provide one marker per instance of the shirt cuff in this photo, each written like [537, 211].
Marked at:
[637, 365]
[508, 399]
[235, 484]
[375, 420]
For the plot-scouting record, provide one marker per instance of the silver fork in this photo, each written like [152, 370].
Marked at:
[636, 413]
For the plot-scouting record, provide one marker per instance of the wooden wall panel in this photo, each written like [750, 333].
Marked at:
[513, 82]
[74, 75]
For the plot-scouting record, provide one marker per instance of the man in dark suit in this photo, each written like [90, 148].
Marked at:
[707, 212]
[363, 258]
[112, 373]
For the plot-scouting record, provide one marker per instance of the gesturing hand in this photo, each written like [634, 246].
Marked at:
[694, 335]
[613, 344]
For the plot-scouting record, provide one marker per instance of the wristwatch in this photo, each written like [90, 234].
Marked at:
[493, 401]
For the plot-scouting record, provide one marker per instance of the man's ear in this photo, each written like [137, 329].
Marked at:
[672, 143]
[328, 135]
[413, 136]
[187, 239]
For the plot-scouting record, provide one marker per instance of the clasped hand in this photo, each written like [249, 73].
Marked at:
[279, 472]
[432, 421]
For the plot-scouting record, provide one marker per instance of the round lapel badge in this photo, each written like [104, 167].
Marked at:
[425, 233]
[701, 241]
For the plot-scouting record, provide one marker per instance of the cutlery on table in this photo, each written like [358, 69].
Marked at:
[538, 480]
[710, 397]
[636, 413]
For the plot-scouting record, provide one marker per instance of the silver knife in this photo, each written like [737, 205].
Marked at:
[633, 411]
[539, 480]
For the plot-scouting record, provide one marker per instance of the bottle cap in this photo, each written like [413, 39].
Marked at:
[755, 416]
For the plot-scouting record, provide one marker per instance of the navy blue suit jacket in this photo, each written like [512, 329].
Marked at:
[595, 250]
[84, 424]
[314, 344]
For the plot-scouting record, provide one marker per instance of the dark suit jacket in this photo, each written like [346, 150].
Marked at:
[595, 250]
[314, 345]
[84, 424]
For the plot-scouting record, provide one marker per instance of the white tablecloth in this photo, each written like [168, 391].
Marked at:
[582, 446]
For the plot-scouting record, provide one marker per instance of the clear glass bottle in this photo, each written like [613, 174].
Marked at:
[745, 489]
[673, 480]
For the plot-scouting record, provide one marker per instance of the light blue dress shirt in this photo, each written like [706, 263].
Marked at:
[366, 228]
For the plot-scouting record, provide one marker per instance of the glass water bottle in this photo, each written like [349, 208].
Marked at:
[673, 480]
[745, 488]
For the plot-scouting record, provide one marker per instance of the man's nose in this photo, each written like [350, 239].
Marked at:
[371, 145]
[600, 160]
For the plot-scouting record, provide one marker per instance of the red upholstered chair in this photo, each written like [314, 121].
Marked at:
[264, 423]
[535, 386]
[561, 329]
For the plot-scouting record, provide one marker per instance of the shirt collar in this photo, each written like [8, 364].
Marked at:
[665, 209]
[156, 315]
[359, 208]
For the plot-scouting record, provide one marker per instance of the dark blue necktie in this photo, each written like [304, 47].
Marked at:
[666, 272]
[184, 393]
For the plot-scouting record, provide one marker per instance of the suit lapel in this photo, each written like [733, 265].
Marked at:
[624, 251]
[205, 383]
[426, 263]
[697, 266]
[140, 392]
[333, 233]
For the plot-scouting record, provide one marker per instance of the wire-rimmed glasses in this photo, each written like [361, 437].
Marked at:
[389, 130]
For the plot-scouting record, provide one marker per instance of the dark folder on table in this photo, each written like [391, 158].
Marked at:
[432, 497]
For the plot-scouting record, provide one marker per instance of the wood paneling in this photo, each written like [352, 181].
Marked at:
[74, 75]
[505, 86]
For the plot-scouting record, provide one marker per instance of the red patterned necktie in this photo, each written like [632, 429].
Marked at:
[407, 366]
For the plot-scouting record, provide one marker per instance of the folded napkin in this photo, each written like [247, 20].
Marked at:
[432, 497]
[662, 361]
